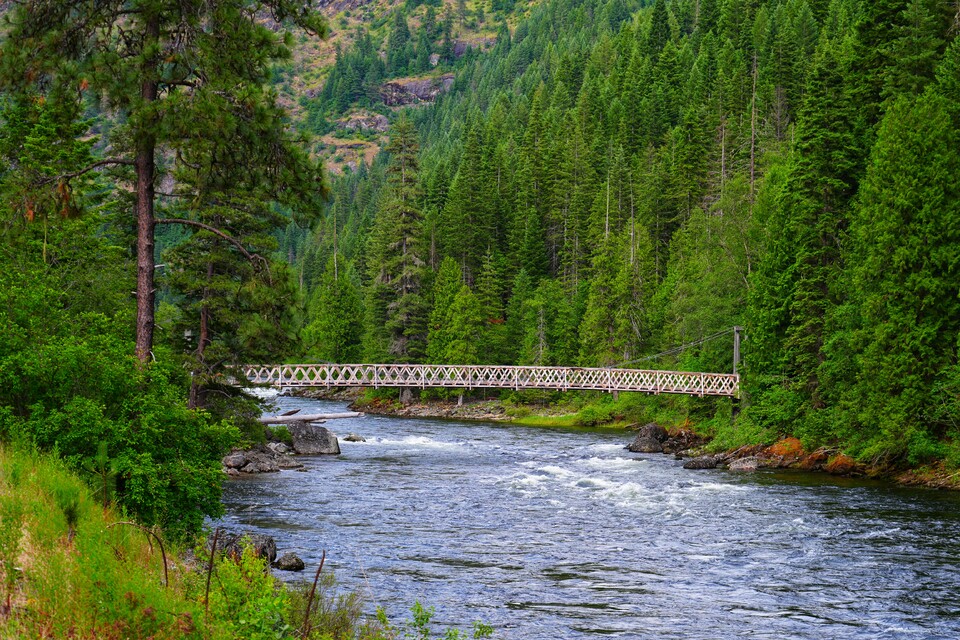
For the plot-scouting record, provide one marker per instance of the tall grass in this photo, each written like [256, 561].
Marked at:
[73, 568]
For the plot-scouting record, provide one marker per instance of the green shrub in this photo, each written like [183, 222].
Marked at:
[282, 434]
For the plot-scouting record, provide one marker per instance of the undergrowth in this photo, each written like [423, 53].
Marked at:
[72, 567]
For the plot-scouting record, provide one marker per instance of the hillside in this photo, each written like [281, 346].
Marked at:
[434, 38]
[611, 181]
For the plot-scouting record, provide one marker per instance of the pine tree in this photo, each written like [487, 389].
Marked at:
[659, 33]
[915, 49]
[815, 205]
[445, 288]
[465, 329]
[334, 332]
[903, 279]
[187, 82]
[396, 320]
[549, 327]
[397, 41]
[521, 291]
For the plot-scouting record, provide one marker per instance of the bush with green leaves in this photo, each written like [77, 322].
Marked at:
[69, 383]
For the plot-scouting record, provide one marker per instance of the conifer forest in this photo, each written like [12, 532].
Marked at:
[188, 186]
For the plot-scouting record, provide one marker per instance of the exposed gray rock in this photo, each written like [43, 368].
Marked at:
[309, 439]
[653, 430]
[650, 439]
[289, 462]
[750, 463]
[645, 445]
[264, 546]
[289, 562]
[231, 544]
[257, 460]
[235, 460]
[703, 462]
[364, 121]
[415, 90]
[279, 448]
[355, 438]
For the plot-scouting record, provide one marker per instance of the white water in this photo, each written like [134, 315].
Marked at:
[559, 534]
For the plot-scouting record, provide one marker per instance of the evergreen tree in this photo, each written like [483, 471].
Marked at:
[334, 332]
[188, 84]
[521, 291]
[465, 329]
[815, 203]
[445, 288]
[905, 267]
[549, 331]
[659, 32]
[397, 41]
[396, 320]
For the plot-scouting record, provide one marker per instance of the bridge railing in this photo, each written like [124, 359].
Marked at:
[493, 377]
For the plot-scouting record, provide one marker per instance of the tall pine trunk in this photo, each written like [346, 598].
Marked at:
[146, 170]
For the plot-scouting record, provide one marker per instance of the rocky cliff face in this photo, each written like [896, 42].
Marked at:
[415, 90]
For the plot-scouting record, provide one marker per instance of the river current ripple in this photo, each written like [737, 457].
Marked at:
[560, 534]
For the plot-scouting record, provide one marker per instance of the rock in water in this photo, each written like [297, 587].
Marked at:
[231, 544]
[650, 439]
[264, 546]
[312, 440]
[644, 444]
[235, 460]
[278, 447]
[355, 438]
[653, 430]
[703, 462]
[750, 463]
[289, 562]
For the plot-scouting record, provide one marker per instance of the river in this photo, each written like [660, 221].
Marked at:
[558, 534]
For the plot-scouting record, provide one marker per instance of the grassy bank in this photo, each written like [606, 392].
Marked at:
[73, 567]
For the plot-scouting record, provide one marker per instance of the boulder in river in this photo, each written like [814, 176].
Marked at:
[645, 445]
[256, 460]
[231, 544]
[653, 430]
[703, 462]
[650, 439]
[235, 460]
[310, 439]
[278, 447]
[355, 438]
[289, 562]
[750, 463]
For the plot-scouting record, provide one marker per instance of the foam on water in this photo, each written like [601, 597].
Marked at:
[264, 393]
[420, 442]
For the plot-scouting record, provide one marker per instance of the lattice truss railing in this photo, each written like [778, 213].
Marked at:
[495, 377]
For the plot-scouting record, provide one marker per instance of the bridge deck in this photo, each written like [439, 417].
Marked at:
[493, 377]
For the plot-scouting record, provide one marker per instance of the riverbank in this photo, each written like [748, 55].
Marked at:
[705, 452]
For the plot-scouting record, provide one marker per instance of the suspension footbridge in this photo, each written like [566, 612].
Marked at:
[493, 377]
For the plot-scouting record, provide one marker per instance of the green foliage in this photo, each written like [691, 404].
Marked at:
[396, 310]
[94, 575]
[334, 332]
[282, 434]
[903, 280]
[70, 384]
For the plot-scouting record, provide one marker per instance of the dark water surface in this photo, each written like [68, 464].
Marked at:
[559, 534]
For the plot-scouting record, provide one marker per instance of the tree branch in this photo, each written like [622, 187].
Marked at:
[67, 177]
[252, 257]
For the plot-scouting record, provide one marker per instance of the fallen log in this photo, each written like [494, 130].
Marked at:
[313, 417]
